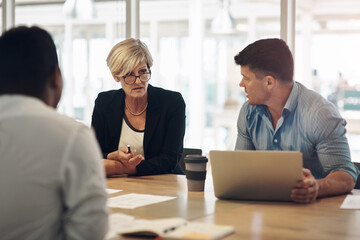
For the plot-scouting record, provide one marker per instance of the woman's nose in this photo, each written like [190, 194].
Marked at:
[137, 79]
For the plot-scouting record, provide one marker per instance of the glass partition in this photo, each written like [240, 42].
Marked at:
[83, 34]
[1, 20]
[327, 57]
[194, 43]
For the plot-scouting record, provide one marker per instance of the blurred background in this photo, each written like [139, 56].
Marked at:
[193, 43]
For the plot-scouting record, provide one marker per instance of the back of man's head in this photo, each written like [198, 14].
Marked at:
[268, 57]
[27, 61]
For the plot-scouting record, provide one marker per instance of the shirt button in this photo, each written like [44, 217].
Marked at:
[275, 140]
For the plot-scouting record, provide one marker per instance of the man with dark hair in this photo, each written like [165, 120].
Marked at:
[51, 178]
[281, 114]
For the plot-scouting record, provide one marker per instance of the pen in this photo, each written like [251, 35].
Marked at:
[170, 229]
[173, 228]
[129, 150]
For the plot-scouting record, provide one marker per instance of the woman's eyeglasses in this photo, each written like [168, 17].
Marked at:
[131, 79]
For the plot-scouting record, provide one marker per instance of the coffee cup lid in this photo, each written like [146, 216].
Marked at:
[195, 158]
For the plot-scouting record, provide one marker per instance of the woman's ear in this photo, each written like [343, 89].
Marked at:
[117, 79]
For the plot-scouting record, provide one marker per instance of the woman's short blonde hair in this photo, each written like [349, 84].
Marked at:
[127, 55]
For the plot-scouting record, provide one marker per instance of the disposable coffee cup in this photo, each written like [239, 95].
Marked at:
[195, 170]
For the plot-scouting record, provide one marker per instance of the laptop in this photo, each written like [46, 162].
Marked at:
[255, 175]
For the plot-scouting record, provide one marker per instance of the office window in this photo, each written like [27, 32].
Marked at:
[193, 52]
[1, 20]
[83, 35]
[327, 57]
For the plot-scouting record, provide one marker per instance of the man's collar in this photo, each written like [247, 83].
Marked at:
[291, 102]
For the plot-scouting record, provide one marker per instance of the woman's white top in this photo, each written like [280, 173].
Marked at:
[131, 136]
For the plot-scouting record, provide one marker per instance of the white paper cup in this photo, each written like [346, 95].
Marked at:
[195, 170]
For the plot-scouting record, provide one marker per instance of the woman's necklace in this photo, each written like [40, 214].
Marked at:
[136, 114]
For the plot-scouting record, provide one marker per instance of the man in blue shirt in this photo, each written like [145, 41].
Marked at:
[281, 114]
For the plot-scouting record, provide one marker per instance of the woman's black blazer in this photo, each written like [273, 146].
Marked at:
[164, 128]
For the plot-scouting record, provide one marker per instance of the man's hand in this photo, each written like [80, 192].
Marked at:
[307, 190]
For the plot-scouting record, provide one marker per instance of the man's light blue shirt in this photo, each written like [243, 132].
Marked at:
[308, 123]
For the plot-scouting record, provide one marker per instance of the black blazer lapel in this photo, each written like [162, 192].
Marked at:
[152, 116]
[115, 113]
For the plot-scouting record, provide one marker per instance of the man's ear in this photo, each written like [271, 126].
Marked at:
[270, 81]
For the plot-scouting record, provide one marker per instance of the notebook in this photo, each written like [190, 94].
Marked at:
[176, 228]
[255, 175]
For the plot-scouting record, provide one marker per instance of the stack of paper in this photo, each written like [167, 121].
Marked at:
[134, 200]
[352, 200]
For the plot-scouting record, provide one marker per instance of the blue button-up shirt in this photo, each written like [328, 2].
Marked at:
[308, 123]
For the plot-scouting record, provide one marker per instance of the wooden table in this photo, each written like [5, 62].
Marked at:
[254, 220]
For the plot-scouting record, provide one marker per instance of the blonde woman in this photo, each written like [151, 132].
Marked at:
[140, 128]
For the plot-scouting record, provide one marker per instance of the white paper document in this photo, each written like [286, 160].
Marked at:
[352, 200]
[118, 222]
[134, 200]
[111, 191]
